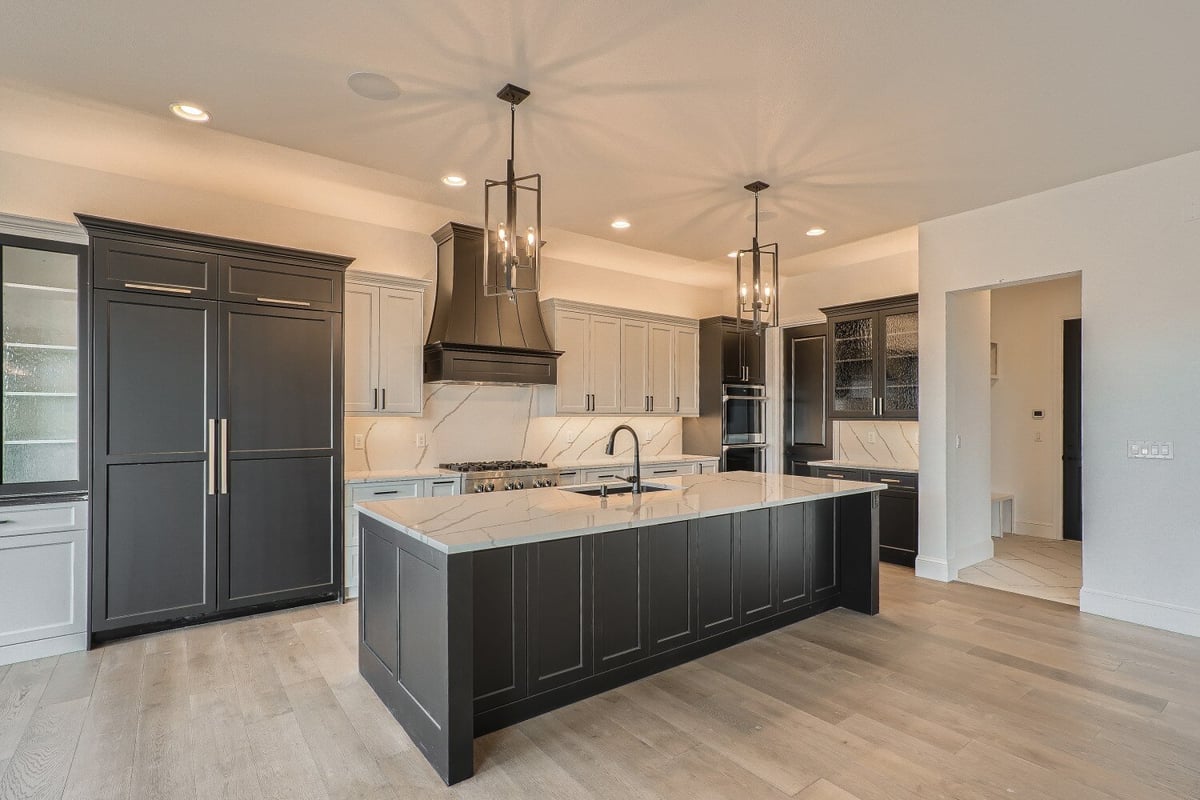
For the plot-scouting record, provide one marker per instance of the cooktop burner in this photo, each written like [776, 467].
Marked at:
[492, 466]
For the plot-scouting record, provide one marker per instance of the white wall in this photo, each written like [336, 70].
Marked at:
[1027, 325]
[1129, 236]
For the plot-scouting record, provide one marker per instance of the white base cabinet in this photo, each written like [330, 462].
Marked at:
[384, 490]
[43, 575]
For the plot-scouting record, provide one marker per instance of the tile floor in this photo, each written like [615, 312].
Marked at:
[1051, 569]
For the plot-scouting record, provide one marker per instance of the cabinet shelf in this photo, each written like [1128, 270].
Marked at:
[39, 346]
[40, 441]
[41, 394]
[33, 287]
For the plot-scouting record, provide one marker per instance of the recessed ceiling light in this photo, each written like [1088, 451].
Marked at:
[190, 111]
[620, 224]
[373, 86]
[815, 232]
[732, 254]
[454, 180]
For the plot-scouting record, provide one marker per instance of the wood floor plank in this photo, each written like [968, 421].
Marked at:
[74, 677]
[222, 762]
[162, 765]
[39, 767]
[20, 692]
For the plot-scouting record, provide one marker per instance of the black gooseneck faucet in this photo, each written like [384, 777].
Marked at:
[635, 479]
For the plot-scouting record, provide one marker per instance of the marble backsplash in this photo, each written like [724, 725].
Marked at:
[495, 422]
[896, 444]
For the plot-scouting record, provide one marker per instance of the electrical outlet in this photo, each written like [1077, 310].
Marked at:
[1037, 436]
[360, 441]
[422, 440]
[871, 437]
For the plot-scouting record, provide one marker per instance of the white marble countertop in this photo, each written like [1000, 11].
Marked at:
[367, 476]
[464, 523]
[875, 465]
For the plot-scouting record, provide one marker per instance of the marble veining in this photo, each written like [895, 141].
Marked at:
[896, 445]
[463, 523]
[461, 422]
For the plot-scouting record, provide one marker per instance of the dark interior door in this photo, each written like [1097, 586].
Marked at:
[1072, 430]
[281, 402]
[153, 511]
[807, 429]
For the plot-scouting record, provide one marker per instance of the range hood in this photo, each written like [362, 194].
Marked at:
[474, 338]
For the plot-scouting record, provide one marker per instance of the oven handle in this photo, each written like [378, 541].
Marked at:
[757, 398]
[754, 446]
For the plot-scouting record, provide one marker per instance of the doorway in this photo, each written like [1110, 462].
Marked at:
[807, 429]
[1072, 457]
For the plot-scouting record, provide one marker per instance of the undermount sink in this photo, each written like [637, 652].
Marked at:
[608, 489]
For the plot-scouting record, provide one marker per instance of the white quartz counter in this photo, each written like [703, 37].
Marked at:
[367, 476]
[867, 465]
[627, 459]
[464, 523]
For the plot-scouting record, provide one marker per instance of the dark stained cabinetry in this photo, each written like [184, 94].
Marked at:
[622, 585]
[872, 359]
[756, 580]
[217, 430]
[673, 583]
[898, 510]
[743, 354]
[560, 612]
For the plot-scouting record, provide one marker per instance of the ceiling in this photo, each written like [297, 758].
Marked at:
[865, 117]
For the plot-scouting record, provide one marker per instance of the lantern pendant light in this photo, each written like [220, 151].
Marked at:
[512, 211]
[758, 277]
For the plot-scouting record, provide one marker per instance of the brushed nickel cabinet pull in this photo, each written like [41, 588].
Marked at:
[302, 303]
[888, 480]
[834, 475]
[212, 457]
[156, 288]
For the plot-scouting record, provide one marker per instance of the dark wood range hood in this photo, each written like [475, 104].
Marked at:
[474, 338]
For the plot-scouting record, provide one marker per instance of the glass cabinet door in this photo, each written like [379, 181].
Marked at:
[900, 383]
[40, 337]
[854, 366]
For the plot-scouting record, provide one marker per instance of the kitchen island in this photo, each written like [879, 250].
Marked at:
[479, 611]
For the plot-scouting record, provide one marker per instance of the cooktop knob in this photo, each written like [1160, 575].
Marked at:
[491, 487]
[479, 487]
[519, 485]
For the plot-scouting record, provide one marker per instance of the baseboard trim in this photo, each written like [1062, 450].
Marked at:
[934, 569]
[1141, 611]
[42, 648]
[1041, 530]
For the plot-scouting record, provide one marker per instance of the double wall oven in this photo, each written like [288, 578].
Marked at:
[743, 427]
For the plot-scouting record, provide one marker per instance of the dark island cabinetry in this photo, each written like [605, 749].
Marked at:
[531, 627]
[898, 508]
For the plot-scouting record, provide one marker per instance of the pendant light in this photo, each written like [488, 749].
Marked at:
[758, 277]
[512, 211]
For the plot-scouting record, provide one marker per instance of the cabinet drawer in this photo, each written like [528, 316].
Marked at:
[838, 473]
[272, 283]
[667, 470]
[894, 480]
[19, 520]
[597, 474]
[393, 490]
[155, 269]
[442, 487]
[568, 477]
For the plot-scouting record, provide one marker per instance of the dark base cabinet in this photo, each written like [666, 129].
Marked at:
[460, 645]
[897, 510]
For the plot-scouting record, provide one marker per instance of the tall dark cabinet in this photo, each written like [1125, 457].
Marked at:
[872, 359]
[217, 445]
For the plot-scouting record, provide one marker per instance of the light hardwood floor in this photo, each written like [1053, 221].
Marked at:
[953, 691]
[1048, 568]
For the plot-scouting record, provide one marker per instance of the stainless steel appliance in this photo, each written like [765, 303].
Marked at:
[744, 457]
[743, 415]
[491, 476]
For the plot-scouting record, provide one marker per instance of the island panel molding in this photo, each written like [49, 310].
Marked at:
[531, 611]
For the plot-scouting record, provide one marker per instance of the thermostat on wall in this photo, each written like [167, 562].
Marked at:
[1039, 413]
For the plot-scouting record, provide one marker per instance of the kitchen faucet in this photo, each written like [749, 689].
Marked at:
[636, 478]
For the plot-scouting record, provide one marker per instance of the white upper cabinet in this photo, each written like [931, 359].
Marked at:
[617, 361]
[686, 343]
[384, 331]
[660, 368]
[635, 364]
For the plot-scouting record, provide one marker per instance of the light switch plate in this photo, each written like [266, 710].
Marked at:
[360, 441]
[1147, 449]
[422, 440]
[871, 437]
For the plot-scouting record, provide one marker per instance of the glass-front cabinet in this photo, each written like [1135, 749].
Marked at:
[873, 359]
[44, 350]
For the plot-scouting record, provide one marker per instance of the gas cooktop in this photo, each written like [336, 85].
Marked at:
[492, 466]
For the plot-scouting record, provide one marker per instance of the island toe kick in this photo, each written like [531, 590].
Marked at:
[461, 644]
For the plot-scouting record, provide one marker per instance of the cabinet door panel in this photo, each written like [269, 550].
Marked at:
[153, 519]
[823, 558]
[635, 389]
[252, 280]
[621, 614]
[362, 347]
[560, 612]
[754, 356]
[792, 536]
[756, 566]
[500, 579]
[44, 576]
[898, 527]
[731, 357]
[156, 269]
[717, 572]
[277, 542]
[660, 368]
[899, 367]
[687, 371]
[400, 328]
[852, 367]
[571, 337]
[672, 589]
[604, 348]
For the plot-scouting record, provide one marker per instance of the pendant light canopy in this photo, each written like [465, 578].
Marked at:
[758, 277]
[512, 211]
